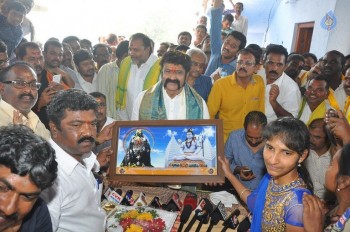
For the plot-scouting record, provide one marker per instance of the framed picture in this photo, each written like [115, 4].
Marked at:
[167, 151]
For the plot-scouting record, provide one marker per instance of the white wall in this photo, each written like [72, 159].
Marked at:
[339, 39]
[287, 15]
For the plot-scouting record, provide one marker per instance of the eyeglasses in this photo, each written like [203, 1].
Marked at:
[23, 84]
[195, 64]
[246, 63]
[2, 62]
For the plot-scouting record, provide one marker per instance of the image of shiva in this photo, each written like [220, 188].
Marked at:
[138, 153]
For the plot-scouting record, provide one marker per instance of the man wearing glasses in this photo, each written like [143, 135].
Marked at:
[19, 93]
[234, 96]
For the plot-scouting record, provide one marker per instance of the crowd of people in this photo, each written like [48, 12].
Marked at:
[285, 120]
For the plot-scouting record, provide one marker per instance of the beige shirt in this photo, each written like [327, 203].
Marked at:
[33, 121]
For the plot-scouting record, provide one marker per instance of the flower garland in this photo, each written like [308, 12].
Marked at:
[140, 220]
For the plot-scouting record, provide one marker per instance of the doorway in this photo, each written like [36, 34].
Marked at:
[303, 37]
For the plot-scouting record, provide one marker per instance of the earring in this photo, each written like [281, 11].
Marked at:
[299, 165]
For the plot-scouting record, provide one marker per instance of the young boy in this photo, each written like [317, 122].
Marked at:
[12, 16]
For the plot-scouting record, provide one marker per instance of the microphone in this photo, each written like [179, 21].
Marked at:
[217, 215]
[114, 195]
[155, 203]
[174, 203]
[128, 200]
[185, 215]
[231, 221]
[190, 203]
[200, 208]
[244, 225]
[203, 216]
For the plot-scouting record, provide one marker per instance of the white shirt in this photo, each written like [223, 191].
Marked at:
[74, 200]
[240, 24]
[340, 95]
[107, 81]
[289, 97]
[87, 86]
[317, 167]
[135, 85]
[175, 107]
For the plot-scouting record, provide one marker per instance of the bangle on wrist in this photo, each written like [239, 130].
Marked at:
[243, 191]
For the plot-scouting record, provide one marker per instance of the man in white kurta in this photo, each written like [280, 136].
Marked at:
[139, 71]
[289, 97]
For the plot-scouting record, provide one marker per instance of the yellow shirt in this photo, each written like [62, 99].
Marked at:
[33, 121]
[233, 102]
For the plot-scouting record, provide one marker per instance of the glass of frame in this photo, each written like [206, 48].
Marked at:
[167, 151]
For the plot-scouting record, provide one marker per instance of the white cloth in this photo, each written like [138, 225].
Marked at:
[73, 74]
[317, 167]
[175, 107]
[74, 200]
[87, 86]
[306, 113]
[289, 97]
[340, 95]
[107, 80]
[135, 85]
[226, 198]
[240, 24]
[108, 121]
[261, 72]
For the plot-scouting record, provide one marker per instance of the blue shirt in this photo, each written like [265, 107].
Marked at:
[10, 35]
[38, 219]
[239, 153]
[203, 86]
[215, 60]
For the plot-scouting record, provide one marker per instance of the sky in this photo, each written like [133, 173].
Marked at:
[161, 20]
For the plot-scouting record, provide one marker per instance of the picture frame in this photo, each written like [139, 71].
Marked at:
[167, 151]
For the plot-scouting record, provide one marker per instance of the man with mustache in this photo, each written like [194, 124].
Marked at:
[138, 71]
[27, 167]
[31, 53]
[282, 94]
[86, 70]
[223, 53]
[171, 98]
[331, 66]
[102, 120]
[53, 54]
[294, 66]
[19, 93]
[234, 96]
[74, 199]
[314, 104]
[244, 149]
[319, 158]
